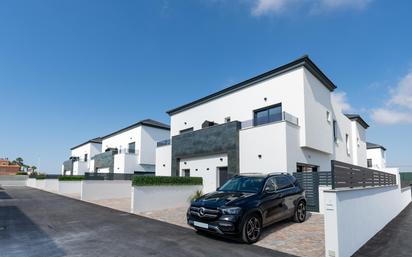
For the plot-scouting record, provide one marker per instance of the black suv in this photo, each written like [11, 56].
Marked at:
[247, 203]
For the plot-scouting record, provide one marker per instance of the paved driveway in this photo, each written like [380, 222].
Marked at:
[37, 223]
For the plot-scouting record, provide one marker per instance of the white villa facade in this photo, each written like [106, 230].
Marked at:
[284, 120]
[376, 156]
[128, 150]
[79, 162]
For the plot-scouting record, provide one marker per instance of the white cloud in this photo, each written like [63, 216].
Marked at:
[340, 100]
[266, 7]
[387, 116]
[398, 108]
[402, 94]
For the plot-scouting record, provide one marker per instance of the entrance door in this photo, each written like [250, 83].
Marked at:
[222, 176]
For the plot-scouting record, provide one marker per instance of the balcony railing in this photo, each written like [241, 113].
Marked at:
[128, 151]
[163, 142]
[284, 117]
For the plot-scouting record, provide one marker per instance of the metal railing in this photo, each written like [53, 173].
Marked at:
[351, 176]
[284, 117]
[163, 142]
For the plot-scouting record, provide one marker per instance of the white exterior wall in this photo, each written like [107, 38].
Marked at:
[378, 158]
[348, 220]
[152, 198]
[205, 167]
[358, 144]
[125, 163]
[149, 138]
[80, 167]
[121, 141]
[163, 160]
[239, 105]
[267, 140]
[344, 127]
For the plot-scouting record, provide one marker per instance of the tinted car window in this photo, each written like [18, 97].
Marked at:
[283, 182]
[270, 184]
[243, 184]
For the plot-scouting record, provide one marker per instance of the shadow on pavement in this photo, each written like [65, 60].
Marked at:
[4, 195]
[19, 236]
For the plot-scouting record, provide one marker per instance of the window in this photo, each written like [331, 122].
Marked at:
[347, 144]
[186, 130]
[267, 115]
[85, 157]
[335, 131]
[283, 182]
[369, 163]
[328, 116]
[186, 173]
[132, 147]
[270, 184]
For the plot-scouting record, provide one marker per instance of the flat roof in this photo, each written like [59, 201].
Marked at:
[97, 140]
[303, 61]
[146, 122]
[358, 118]
[374, 146]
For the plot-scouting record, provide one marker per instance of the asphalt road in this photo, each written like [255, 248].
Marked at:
[38, 223]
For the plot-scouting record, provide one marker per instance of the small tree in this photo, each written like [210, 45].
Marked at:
[19, 160]
[33, 168]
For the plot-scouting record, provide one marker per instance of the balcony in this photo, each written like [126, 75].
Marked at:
[287, 117]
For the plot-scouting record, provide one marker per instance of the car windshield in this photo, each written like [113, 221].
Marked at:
[243, 184]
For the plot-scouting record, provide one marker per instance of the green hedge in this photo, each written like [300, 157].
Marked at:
[161, 181]
[40, 176]
[71, 178]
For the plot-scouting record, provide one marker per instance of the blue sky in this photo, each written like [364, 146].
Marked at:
[73, 70]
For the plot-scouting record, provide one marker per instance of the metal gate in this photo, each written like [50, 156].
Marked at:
[310, 181]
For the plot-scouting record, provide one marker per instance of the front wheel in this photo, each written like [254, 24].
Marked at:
[300, 212]
[252, 229]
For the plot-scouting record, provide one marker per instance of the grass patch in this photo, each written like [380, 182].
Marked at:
[165, 181]
[71, 178]
[40, 176]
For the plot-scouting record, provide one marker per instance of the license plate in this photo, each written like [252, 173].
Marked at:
[201, 225]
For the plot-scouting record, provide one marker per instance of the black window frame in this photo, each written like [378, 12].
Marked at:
[131, 150]
[267, 109]
[335, 131]
[369, 163]
[85, 157]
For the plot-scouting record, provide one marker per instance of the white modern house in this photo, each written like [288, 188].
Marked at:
[376, 156]
[131, 149]
[79, 161]
[284, 120]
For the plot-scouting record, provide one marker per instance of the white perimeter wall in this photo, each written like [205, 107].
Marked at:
[151, 198]
[354, 216]
[70, 187]
[98, 190]
[163, 160]
[31, 182]
[205, 167]
[51, 185]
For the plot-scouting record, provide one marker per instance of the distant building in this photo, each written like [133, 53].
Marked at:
[8, 168]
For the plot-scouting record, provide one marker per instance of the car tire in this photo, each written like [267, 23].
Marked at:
[252, 228]
[300, 212]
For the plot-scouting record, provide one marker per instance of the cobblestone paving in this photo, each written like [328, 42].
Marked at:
[305, 239]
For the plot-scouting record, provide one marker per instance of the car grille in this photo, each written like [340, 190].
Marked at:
[202, 212]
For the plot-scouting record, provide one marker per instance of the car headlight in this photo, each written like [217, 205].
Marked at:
[231, 210]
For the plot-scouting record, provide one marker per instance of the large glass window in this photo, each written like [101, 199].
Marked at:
[267, 115]
[283, 182]
[243, 184]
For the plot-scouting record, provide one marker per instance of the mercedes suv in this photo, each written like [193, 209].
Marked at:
[247, 203]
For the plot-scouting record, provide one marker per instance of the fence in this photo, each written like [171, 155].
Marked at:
[350, 176]
[406, 179]
[310, 181]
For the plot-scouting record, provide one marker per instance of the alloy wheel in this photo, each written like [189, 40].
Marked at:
[253, 228]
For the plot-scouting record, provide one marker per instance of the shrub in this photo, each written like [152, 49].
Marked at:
[160, 181]
[40, 176]
[21, 173]
[71, 178]
[195, 196]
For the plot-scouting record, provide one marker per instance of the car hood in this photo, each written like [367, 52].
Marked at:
[219, 198]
